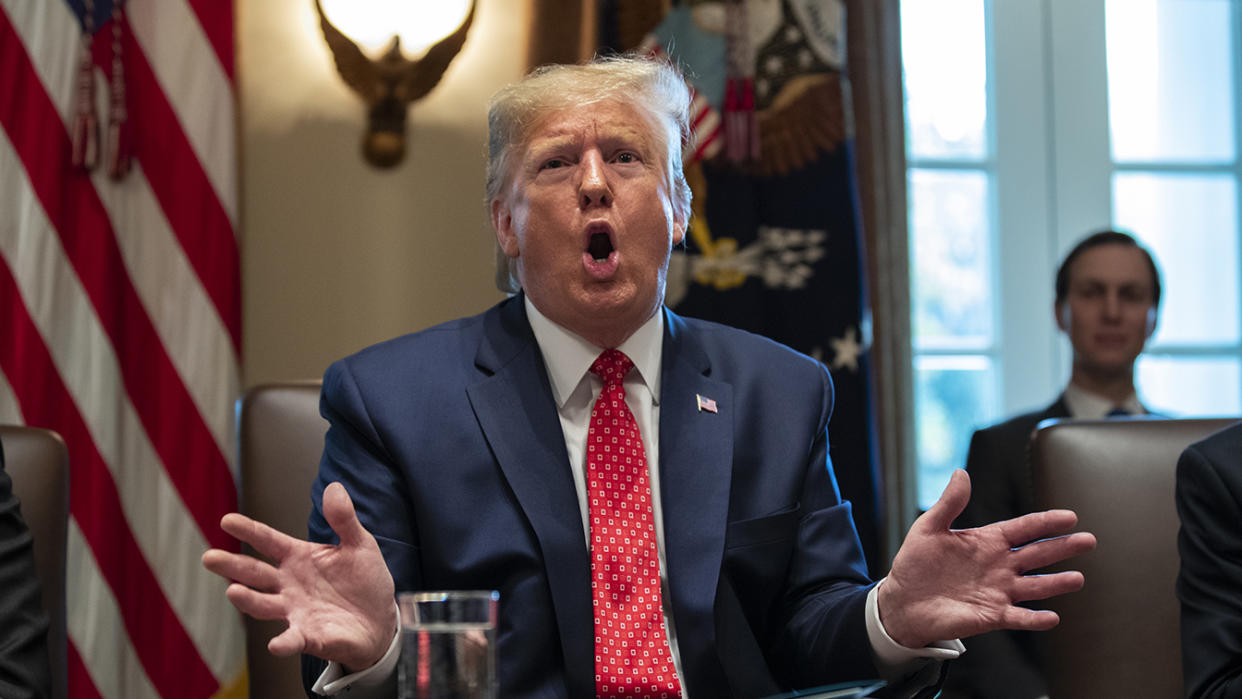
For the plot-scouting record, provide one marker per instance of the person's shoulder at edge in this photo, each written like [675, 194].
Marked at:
[1221, 446]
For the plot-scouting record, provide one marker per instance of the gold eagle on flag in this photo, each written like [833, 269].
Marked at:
[771, 98]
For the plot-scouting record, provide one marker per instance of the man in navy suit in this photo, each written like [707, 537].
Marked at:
[460, 457]
[1209, 584]
[1107, 297]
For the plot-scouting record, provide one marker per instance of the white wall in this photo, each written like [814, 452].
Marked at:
[336, 254]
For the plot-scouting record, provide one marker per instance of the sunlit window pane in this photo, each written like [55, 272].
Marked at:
[1190, 386]
[950, 259]
[1170, 80]
[953, 397]
[1191, 224]
[944, 56]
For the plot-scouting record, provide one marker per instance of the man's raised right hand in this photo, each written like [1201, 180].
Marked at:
[337, 600]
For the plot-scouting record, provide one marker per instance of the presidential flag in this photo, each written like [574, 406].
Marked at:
[775, 243]
[120, 320]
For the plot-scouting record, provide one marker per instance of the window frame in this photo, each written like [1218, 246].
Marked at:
[1050, 169]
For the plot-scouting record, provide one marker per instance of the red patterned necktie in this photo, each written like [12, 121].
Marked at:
[632, 656]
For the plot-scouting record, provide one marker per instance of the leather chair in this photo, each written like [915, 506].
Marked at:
[38, 462]
[1119, 635]
[281, 439]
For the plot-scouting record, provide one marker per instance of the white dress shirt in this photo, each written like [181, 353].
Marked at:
[1082, 403]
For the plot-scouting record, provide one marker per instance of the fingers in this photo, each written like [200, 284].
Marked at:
[338, 509]
[288, 642]
[270, 542]
[259, 605]
[237, 567]
[1048, 551]
[1037, 525]
[1037, 587]
[1023, 619]
[951, 503]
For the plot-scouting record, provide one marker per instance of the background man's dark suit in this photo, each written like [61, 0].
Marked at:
[1209, 502]
[998, 663]
[450, 445]
[23, 624]
[1000, 475]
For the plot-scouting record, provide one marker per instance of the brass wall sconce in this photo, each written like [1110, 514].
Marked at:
[389, 84]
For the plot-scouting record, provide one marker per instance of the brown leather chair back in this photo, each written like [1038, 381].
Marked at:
[281, 437]
[38, 462]
[1118, 636]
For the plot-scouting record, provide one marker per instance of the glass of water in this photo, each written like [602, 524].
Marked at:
[448, 645]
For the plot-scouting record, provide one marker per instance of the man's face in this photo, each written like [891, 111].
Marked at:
[589, 219]
[1106, 309]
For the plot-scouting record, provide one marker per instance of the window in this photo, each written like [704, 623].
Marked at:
[949, 147]
[1028, 124]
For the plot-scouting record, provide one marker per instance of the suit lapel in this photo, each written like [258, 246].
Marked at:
[518, 416]
[696, 456]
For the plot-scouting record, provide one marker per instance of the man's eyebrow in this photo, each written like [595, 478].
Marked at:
[1089, 283]
[543, 147]
[552, 142]
[629, 134]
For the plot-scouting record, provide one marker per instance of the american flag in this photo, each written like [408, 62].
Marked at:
[120, 325]
[705, 124]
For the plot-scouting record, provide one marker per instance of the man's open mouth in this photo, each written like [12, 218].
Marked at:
[600, 254]
[599, 242]
[600, 246]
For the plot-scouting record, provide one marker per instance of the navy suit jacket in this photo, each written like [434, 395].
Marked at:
[1209, 584]
[998, 462]
[450, 445]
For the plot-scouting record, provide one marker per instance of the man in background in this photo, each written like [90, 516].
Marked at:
[1209, 584]
[1107, 297]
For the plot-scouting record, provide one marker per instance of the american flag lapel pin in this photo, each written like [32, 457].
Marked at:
[706, 403]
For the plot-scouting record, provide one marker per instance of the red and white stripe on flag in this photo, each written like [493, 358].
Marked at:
[706, 126]
[120, 323]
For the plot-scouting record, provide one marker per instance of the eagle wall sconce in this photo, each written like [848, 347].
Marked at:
[388, 84]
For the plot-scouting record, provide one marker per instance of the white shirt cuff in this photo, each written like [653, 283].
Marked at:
[894, 658]
[333, 680]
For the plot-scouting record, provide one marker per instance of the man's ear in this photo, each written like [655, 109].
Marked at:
[679, 232]
[1063, 316]
[502, 223]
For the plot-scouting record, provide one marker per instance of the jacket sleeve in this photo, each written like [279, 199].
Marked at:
[824, 635]
[24, 671]
[1209, 584]
[355, 456]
